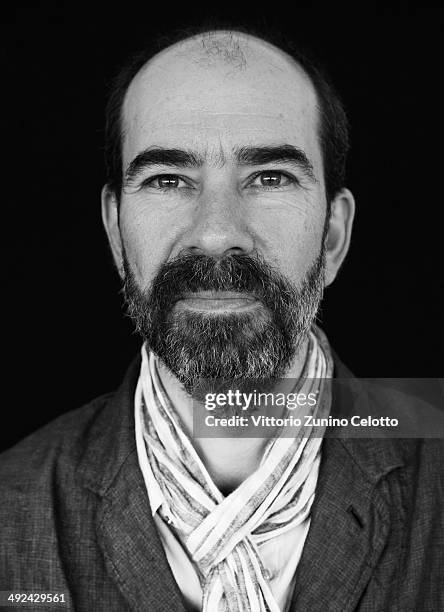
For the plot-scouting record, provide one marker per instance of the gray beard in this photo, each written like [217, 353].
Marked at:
[250, 350]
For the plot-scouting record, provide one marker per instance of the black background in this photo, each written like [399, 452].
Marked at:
[64, 337]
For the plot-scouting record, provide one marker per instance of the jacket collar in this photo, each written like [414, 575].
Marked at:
[110, 442]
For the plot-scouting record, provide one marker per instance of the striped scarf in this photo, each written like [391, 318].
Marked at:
[222, 534]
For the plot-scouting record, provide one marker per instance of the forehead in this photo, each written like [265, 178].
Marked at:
[249, 93]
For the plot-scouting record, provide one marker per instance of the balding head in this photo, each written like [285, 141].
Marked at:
[234, 52]
[218, 95]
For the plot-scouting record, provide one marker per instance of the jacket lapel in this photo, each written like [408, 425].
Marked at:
[132, 548]
[350, 521]
[126, 532]
[349, 526]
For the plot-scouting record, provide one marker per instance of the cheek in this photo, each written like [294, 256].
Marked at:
[147, 240]
[291, 240]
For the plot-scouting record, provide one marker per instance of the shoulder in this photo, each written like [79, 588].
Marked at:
[39, 477]
[80, 442]
[413, 448]
[52, 482]
[62, 441]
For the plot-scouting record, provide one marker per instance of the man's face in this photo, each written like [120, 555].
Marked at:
[222, 168]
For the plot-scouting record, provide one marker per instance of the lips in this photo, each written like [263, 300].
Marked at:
[217, 301]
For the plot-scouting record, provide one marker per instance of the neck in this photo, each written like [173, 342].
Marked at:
[229, 461]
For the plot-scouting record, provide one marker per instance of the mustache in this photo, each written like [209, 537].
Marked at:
[190, 273]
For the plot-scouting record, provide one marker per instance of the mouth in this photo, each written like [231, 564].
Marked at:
[217, 301]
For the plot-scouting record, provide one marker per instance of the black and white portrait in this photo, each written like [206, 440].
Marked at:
[224, 386]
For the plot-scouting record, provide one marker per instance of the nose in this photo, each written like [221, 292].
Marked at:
[219, 227]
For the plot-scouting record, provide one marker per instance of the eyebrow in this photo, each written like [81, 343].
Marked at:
[256, 156]
[249, 156]
[158, 156]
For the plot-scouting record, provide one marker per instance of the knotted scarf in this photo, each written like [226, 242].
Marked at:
[222, 534]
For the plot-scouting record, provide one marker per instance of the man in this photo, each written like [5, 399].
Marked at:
[227, 216]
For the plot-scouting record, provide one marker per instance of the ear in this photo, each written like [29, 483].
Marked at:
[110, 218]
[337, 240]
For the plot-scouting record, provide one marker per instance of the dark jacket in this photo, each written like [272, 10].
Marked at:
[75, 519]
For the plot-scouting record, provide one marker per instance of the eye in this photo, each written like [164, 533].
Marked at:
[165, 182]
[272, 179]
